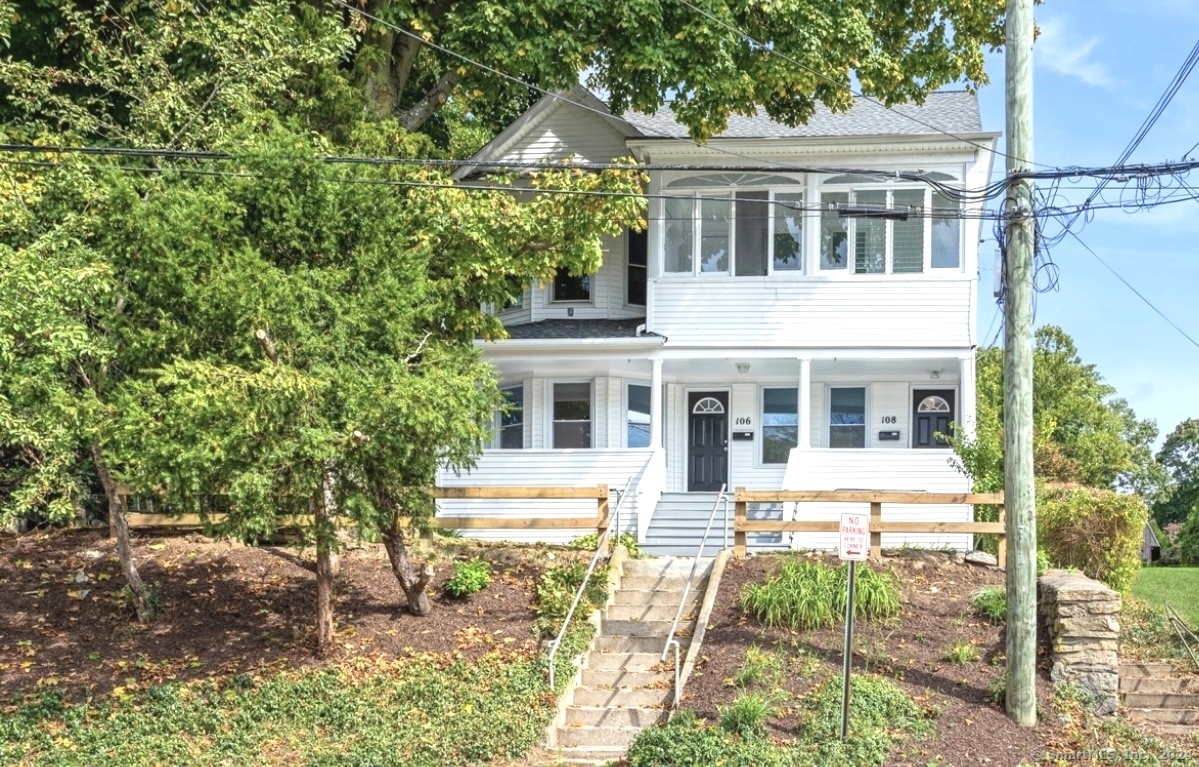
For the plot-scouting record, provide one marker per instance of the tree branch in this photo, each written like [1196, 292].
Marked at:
[268, 345]
[419, 348]
[416, 115]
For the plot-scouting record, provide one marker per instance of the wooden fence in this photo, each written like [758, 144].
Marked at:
[142, 520]
[742, 525]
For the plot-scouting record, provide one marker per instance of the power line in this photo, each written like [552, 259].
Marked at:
[1135, 291]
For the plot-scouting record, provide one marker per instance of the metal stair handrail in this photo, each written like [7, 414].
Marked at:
[556, 642]
[670, 639]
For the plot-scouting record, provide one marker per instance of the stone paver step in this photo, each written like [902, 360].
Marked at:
[1187, 716]
[1159, 685]
[1137, 668]
[1161, 700]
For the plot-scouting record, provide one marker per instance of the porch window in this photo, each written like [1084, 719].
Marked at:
[720, 226]
[572, 415]
[847, 417]
[510, 420]
[637, 419]
[569, 287]
[637, 249]
[780, 424]
[929, 239]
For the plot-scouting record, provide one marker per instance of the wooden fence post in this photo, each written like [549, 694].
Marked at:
[602, 526]
[1001, 553]
[740, 514]
[876, 538]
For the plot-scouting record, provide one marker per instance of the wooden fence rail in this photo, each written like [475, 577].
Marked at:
[143, 520]
[742, 525]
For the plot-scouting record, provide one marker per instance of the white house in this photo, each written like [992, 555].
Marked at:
[772, 329]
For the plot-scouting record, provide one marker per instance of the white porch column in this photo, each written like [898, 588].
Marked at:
[655, 404]
[969, 400]
[805, 403]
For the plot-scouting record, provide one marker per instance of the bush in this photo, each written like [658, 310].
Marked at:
[469, 578]
[809, 595]
[991, 603]
[557, 590]
[591, 540]
[1188, 540]
[1099, 532]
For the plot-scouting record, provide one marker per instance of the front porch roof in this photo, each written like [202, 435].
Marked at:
[578, 329]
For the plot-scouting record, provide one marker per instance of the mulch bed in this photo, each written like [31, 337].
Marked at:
[970, 728]
[229, 609]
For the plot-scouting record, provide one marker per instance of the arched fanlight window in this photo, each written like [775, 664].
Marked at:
[886, 175]
[708, 405]
[933, 404]
[725, 180]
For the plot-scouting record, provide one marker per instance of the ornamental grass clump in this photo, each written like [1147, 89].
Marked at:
[810, 595]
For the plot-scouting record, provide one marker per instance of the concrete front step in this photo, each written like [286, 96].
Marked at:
[1144, 669]
[596, 736]
[1187, 716]
[1161, 700]
[652, 583]
[661, 598]
[628, 679]
[676, 549]
[636, 628]
[650, 612]
[1159, 685]
[623, 697]
[627, 644]
[619, 661]
[669, 567]
[598, 716]
[591, 754]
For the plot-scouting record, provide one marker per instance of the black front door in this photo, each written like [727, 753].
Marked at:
[932, 412]
[708, 446]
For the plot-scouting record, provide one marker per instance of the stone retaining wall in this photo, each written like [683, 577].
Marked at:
[1080, 619]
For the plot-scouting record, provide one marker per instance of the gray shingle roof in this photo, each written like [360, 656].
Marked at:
[580, 329]
[948, 111]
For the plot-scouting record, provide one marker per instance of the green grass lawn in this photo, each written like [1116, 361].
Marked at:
[1175, 586]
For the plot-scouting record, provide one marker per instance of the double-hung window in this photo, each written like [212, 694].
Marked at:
[569, 287]
[780, 424]
[637, 244]
[510, 420]
[637, 420]
[863, 228]
[743, 225]
[572, 415]
[847, 416]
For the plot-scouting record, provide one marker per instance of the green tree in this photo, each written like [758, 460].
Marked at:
[1179, 457]
[1081, 432]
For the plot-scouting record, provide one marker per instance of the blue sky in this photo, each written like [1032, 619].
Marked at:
[1100, 67]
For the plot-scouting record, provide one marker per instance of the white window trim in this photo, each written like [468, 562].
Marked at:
[624, 411]
[760, 438]
[828, 414]
[799, 188]
[927, 270]
[551, 383]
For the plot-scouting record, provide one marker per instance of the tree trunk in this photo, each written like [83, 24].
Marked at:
[327, 567]
[120, 527]
[413, 577]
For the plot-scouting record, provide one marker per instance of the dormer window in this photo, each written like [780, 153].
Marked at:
[720, 224]
[570, 287]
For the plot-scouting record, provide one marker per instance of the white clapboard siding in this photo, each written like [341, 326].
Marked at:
[607, 295]
[568, 131]
[900, 470]
[550, 468]
[758, 312]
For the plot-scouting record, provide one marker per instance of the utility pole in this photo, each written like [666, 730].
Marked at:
[1019, 491]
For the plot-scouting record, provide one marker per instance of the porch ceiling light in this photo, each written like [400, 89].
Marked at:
[743, 367]
[934, 373]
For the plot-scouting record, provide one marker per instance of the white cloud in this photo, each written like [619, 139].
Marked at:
[1058, 50]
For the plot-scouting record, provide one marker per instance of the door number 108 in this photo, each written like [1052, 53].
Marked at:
[890, 419]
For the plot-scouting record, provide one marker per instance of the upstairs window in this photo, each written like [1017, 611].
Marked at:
[856, 239]
[717, 227]
[638, 251]
[568, 287]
